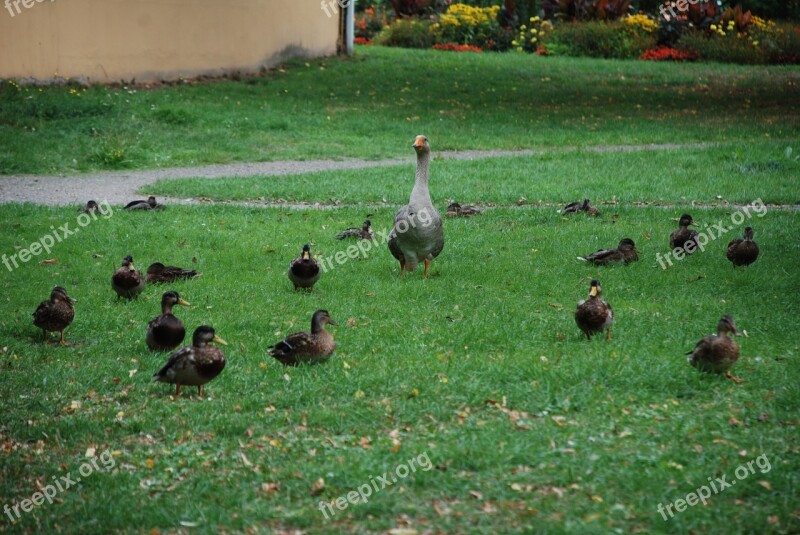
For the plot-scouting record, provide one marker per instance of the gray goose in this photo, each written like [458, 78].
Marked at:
[417, 235]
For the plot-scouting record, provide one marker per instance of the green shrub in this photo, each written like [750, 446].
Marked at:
[780, 44]
[407, 33]
[733, 48]
[598, 40]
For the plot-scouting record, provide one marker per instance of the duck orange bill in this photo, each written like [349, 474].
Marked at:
[219, 340]
[184, 303]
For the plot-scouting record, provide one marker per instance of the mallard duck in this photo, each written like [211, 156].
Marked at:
[580, 206]
[304, 270]
[127, 281]
[684, 236]
[418, 234]
[158, 272]
[743, 252]
[55, 314]
[313, 347]
[363, 233]
[194, 365]
[594, 315]
[624, 253]
[90, 207]
[717, 353]
[149, 204]
[166, 332]
[458, 210]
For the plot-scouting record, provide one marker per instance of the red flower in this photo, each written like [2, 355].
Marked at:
[665, 53]
[362, 41]
[457, 48]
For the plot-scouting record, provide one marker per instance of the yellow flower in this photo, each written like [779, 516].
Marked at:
[713, 27]
[514, 43]
[533, 39]
[519, 49]
[755, 43]
[536, 19]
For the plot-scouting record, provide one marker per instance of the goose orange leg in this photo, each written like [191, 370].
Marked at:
[177, 390]
[402, 267]
[427, 265]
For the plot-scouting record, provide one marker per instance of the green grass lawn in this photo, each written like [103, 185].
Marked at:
[369, 106]
[480, 370]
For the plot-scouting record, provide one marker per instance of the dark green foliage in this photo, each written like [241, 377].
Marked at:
[598, 40]
[407, 33]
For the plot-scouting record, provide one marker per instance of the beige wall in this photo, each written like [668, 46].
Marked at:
[112, 40]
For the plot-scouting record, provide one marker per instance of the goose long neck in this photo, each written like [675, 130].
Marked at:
[420, 193]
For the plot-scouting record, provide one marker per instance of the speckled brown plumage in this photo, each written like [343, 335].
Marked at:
[159, 273]
[166, 332]
[684, 236]
[313, 347]
[594, 315]
[743, 252]
[624, 254]
[194, 365]
[127, 281]
[363, 233]
[461, 210]
[304, 270]
[717, 353]
[55, 314]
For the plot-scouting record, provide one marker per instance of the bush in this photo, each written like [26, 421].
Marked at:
[763, 42]
[732, 48]
[467, 25]
[407, 33]
[369, 22]
[599, 40]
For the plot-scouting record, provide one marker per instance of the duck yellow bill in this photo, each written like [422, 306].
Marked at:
[219, 340]
[593, 291]
[184, 303]
[306, 255]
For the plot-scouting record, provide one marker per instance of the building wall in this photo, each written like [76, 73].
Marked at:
[113, 40]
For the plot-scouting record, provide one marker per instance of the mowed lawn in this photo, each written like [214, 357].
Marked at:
[477, 378]
[362, 107]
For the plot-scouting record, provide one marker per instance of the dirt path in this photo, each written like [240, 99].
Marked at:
[119, 187]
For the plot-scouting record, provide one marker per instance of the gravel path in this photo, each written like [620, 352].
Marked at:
[119, 187]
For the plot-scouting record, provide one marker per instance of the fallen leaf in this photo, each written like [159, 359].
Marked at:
[49, 261]
[766, 484]
[317, 487]
[475, 494]
[90, 451]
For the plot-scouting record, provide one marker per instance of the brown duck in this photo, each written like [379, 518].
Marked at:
[363, 233]
[304, 270]
[462, 210]
[194, 365]
[166, 332]
[149, 204]
[717, 353]
[743, 252]
[580, 206]
[127, 281]
[313, 347]
[594, 315]
[158, 273]
[624, 254]
[684, 235]
[55, 314]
